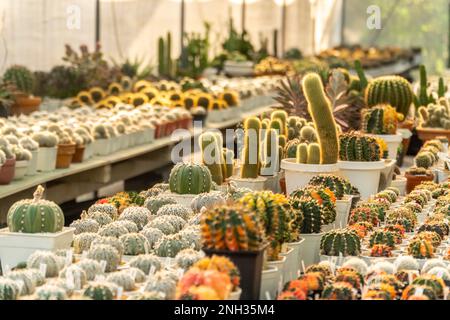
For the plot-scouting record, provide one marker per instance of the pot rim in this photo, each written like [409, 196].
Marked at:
[290, 164]
[362, 166]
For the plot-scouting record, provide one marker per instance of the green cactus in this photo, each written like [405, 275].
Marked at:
[9, 289]
[277, 125]
[145, 262]
[340, 242]
[134, 244]
[338, 185]
[308, 134]
[251, 162]
[355, 146]
[21, 77]
[282, 116]
[313, 153]
[312, 221]
[106, 253]
[423, 98]
[302, 153]
[442, 88]
[382, 237]
[212, 156]
[319, 108]
[290, 150]
[424, 160]
[361, 75]
[35, 215]
[190, 178]
[381, 119]
[228, 156]
[393, 90]
[99, 291]
[170, 245]
[270, 153]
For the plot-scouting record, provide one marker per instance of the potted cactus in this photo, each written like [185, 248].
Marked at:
[251, 160]
[220, 227]
[23, 80]
[315, 158]
[415, 176]
[32, 146]
[25, 234]
[7, 162]
[66, 150]
[23, 158]
[434, 120]
[361, 162]
[48, 150]
[340, 243]
[187, 180]
[102, 140]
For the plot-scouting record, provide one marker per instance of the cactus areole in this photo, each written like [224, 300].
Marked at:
[190, 179]
[35, 215]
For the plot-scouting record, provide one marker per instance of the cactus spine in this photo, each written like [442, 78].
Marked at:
[251, 162]
[319, 108]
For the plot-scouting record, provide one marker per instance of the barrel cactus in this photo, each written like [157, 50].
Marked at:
[310, 213]
[340, 242]
[113, 229]
[187, 257]
[110, 241]
[338, 185]
[122, 279]
[160, 282]
[190, 179]
[52, 261]
[21, 77]
[153, 204]
[138, 215]
[85, 225]
[76, 273]
[433, 282]
[339, 291]
[363, 214]
[191, 236]
[325, 197]
[91, 267]
[28, 286]
[9, 289]
[163, 224]
[137, 274]
[145, 262]
[99, 291]
[36, 215]
[152, 235]
[207, 200]
[107, 208]
[50, 292]
[421, 249]
[382, 237]
[102, 218]
[106, 253]
[134, 244]
[355, 146]
[169, 246]
[175, 210]
[380, 119]
[233, 228]
[82, 242]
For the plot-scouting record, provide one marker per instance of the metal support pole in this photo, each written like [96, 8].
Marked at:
[243, 14]
[97, 22]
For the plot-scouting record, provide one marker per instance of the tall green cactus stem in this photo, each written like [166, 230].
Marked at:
[168, 55]
[251, 161]
[229, 165]
[283, 117]
[424, 99]
[270, 154]
[393, 90]
[361, 75]
[277, 125]
[319, 108]
[313, 154]
[161, 57]
[302, 153]
[212, 156]
[442, 88]
[190, 179]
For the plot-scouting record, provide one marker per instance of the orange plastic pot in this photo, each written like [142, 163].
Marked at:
[64, 155]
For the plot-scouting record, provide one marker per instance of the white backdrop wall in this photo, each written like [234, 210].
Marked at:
[33, 32]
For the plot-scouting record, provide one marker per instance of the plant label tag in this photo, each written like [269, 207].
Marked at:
[167, 262]
[133, 274]
[119, 293]
[146, 247]
[419, 292]
[7, 269]
[303, 266]
[103, 265]
[69, 257]
[70, 279]
[152, 270]
[268, 295]
[43, 269]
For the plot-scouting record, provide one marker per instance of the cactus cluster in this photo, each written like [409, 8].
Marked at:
[232, 228]
[251, 161]
[340, 242]
[435, 115]
[145, 262]
[21, 77]
[380, 119]
[138, 215]
[393, 90]
[218, 160]
[135, 244]
[190, 179]
[355, 146]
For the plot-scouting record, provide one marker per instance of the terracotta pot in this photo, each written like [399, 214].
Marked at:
[7, 171]
[79, 154]
[426, 134]
[65, 155]
[414, 180]
[25, 104]
[283, 185]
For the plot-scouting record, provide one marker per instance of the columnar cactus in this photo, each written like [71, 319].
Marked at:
[190, 179]
[122, 279]
[270, 156]
[212, 156]
[36, 215]
[233, 228]
[99, 291]
[50, 292]
[91, 267]
[340, 242]
[277, 216]
[355, 146]
[52, 261]
[319, 108]
[145, 262]
[106, 253]
[21, 77]
[174, 210]
[282, 116]
[251, 153]
[380, 119]
[139, 215]
[82, 242]
[135, 244]
[9, 289]
[393, 90]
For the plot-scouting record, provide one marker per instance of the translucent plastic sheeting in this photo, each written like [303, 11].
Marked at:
[33, 32]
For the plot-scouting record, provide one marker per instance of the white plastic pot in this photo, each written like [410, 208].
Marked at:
[47, 159]
[298, 174]
[183, 199]
[102, 147]
[21, 169]
[269, 283]
[297, 246]
[363, 175]
[273, 183]
[400, 184]
[291, 265]
[256, 184]
[33, 165]
[280, 265]
[16, 247]
[88, 151]
[310, 251]
[235, 295]
[393, 141]
[342, 211]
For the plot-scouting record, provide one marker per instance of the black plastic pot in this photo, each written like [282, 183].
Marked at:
[250, 265]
